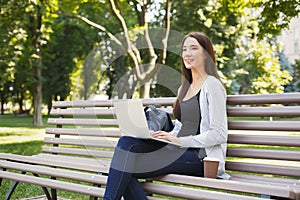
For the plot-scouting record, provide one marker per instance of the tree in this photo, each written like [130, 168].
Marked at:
[69, 44]
[127, 43]
[294, 85]
[10, 51]
[235, 28]
[276, 15]
[27, 25]
[258, 71]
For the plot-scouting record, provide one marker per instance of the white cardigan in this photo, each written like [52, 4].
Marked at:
[213, 127]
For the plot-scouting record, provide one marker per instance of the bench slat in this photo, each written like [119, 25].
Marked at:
[84, 132]
[56, 184]
[191, 193]
[273, 111]
[83, 112]
[264, 125]
[55, 163]
[263, 99]
[165, 101]
[86, 103]
[109, 103]
[71, 159]
[58, 173]
[82, 122]
[263, 168]
[266, 180]
[263, 153]
[81, 142]
[240, 186]
[80, 152]
[273, 140]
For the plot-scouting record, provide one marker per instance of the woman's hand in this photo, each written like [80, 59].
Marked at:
[166, 136]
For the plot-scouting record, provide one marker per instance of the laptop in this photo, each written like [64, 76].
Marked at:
[132, 120]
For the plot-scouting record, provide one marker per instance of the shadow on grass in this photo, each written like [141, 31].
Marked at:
[25, 148]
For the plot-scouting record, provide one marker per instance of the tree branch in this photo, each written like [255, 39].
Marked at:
[98, 26]
[130, 49]
[163, 56]
[122, 22]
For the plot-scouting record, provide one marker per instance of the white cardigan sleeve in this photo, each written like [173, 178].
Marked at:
[177, 127]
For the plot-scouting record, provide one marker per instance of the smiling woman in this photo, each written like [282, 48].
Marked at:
[201, 96]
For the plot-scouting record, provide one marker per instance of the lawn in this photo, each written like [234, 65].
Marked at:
[17, 135]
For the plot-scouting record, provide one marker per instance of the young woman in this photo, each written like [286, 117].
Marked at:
[200, 129]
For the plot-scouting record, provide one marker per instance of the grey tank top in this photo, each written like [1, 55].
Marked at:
[190, 119]
[190, 116]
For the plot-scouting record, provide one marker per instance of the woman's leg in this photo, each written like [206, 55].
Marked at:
[137, 158]
[188, 163]
[123, 166]
[134, 191]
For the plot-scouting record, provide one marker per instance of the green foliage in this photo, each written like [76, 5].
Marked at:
[246, 54]
[276, 15]
[257, 70]
[65, 42]
[294, 86]
[69, 43]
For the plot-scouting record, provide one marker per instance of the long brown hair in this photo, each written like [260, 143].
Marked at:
[210, 67]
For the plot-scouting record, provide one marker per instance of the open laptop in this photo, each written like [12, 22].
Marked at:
[132, 120]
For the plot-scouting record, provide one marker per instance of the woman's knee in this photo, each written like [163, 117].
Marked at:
[126, 142]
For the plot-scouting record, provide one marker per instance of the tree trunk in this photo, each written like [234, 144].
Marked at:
[36, 30]
[145, 90]
[2, 107]
[37, 98]
[20, 101]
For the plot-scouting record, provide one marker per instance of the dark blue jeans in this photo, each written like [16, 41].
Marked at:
[144, 158]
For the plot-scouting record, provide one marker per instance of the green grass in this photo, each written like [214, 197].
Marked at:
[19, 121]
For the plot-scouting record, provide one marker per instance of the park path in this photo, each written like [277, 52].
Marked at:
[42, 198]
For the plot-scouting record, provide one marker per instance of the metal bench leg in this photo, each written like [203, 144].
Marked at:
[53, 191]
[272, 197]
[12, 188]
[53, 194]
[97, 185]
[45, 190]
[1, 169]
[279, 198]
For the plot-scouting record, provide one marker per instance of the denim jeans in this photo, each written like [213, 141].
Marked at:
[145, 158]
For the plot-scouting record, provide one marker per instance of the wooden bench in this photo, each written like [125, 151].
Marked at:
[263, 155]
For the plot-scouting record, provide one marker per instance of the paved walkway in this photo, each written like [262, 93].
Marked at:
[42, 198]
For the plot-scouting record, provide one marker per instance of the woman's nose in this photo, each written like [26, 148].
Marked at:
[187, 52]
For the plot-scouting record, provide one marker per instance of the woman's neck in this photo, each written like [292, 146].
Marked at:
[198, 76]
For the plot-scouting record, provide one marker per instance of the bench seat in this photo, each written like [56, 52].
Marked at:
[263, 154]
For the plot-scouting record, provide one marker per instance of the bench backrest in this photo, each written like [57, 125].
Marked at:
[264, 136]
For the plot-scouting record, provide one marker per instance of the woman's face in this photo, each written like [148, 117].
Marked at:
[193, 54]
